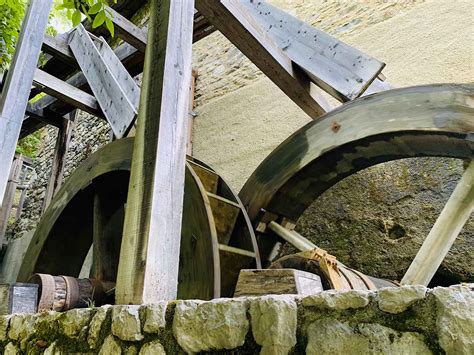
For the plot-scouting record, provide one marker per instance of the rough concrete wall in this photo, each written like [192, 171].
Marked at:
[376, 220]
[408, 320]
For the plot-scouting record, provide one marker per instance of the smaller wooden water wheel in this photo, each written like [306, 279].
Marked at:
[88, 212]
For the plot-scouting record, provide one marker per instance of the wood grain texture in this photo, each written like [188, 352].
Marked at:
[18, 83]
[128, 31]
[149, 258]
[64, 235]
[241, 28]
[105, 78]
[59, 158]
[277, 282]
[67, 93]
[339, 69]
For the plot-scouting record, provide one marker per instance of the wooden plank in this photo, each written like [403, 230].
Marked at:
[341, 70]
[128, 31]
[65, 92]
[447, 227]
[225, 214]
[192, 91]
[9, 196]
[18, 83]
[18, 298]
[209, 179]
[58, 47]
[234, 21]
[46, 116]
[118, 70]
[118, 110]
[149, 257]
[59, 158]
[277, 282]
[131, 58]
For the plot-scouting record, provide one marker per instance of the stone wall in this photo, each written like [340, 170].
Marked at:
[407, 320]
[89, 134]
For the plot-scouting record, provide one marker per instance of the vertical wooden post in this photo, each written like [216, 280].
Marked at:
[18, 83]
[192, 90]
[59, 158]
[7, 204]
[149, 256]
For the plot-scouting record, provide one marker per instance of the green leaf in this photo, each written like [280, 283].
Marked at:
[2, 2]
[76, 18]
[95, 9]
[110, 26]
[99, 19]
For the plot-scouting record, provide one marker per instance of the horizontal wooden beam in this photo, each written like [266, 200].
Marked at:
[67, 93]
[128, 31]
[234, 21]
[48, 117]
[58, 47]
[130, 57]
[341, 70]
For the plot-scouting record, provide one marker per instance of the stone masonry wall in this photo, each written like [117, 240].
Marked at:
[407, 320]
[89, 134]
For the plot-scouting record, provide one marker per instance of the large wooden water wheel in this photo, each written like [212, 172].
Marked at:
[217, 238]
[424, 121]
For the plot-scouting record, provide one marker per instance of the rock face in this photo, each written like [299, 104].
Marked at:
[395, 300]
[203, 326]
[126, 323]
[409, 320]
[274, 323]
[375, 221]
[329, 336]
[455, 321]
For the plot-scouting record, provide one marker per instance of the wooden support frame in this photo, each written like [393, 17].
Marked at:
[128, 31]
[17, 86]
[149, 256]
[59, 158]
[233, 20]
[67, 93]
[107, 81]
[6, 207]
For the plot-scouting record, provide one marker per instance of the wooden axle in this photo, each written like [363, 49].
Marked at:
[61, 293]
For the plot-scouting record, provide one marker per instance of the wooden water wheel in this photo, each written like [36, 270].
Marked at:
[424, 121]
[217, 238]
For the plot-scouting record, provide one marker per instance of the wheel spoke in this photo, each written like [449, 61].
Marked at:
[444, 232]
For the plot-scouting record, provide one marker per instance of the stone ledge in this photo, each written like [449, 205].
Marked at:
[393, 320]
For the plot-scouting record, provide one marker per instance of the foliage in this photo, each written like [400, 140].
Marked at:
[12, 12]
[96, 12]
[29, 145]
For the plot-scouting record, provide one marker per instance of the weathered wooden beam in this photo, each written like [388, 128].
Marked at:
[149, 256]
[59, 158]
[18, 83]
[130, 57]
[437, 244]
[45, 116]
[67, 93]
[108, 88]
[58, 47]
[128, 31]
[6, 207]
[341, 70]
[238, 25]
